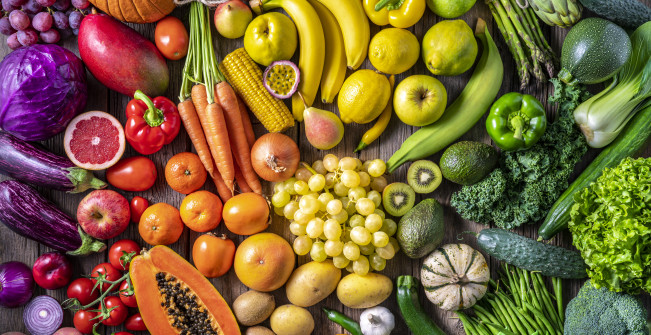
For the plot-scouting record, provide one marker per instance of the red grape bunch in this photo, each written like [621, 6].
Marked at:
[27, 22]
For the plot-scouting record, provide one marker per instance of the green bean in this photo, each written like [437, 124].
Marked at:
[532, 321]
[481, 310]
[481, 327]
[516, 321]
[507, 321]
[547, 301]
[510, 306]
[513, 286]
[468, 327]
[501, 329]
[538, 314]
[558, 293]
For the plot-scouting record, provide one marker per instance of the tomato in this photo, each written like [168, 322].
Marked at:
[118, 311]
[82, 290]
[83, 321]
[132, 174]
[171, 38]
[122, 333]
[126, 295]
[110, 273]
[138, 206]
[119, 250]
[135, 323]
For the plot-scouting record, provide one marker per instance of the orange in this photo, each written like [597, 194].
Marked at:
[185, 173]
[201, 211]
[264, 262]
[160, 224]
[246, 214]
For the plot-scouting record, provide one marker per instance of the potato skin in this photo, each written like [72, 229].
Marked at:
[312, 282]
[292, 320]
[357, 291]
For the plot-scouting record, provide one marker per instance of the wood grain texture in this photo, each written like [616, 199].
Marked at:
[14, 247]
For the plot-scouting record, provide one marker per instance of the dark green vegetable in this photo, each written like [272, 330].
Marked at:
[626, 13]
[417, 321]
[339, 318]
[516, 121]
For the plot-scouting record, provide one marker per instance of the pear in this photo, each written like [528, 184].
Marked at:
[323, 129]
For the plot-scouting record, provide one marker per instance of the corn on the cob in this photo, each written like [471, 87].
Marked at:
[246, 78]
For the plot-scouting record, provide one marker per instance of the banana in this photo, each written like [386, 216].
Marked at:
[354, 27]
[312, 52]
[334, 70]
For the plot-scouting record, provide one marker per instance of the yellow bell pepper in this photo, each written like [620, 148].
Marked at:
[398, 13]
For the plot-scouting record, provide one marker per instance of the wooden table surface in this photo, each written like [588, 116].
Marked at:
[15, 247]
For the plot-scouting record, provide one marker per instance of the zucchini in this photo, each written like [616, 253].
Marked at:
[626, 13]
[631, 140]
[593, 51]
[415, 318]
[529, 254]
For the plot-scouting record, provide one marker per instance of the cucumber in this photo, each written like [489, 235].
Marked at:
[416, 319]
[626, 13]
[631, 140]
[593, 51]
[529, 254]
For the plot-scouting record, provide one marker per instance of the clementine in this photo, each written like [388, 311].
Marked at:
[246, 214]
[264, 262]
[201, 211]
[185, 173]
[160, 224]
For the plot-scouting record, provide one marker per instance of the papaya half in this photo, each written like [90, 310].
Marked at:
[174, 298]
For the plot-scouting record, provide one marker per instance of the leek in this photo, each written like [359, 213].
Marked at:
[602, 117]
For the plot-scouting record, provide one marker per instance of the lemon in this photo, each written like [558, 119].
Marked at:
[393, 50]
[363, 96]
[449, 48]
[450, 9]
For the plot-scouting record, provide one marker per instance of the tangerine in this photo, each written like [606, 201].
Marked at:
[201, 211]
[185, 173]
[160, 224]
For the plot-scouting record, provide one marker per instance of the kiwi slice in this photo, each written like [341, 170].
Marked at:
[398, 199]
[424, 176]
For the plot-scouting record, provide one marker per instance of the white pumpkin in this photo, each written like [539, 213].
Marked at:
[455, 276]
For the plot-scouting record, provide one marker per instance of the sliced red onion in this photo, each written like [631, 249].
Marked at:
[16, 284]
[43, 315]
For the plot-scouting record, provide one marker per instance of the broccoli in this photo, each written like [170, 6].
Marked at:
[600, 311]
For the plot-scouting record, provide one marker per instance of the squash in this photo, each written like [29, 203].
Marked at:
[135, 11]
[162, 280]
[455, 276]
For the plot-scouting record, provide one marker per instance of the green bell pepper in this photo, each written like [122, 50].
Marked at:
[516, 121]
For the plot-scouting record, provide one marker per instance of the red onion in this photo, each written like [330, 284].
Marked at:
[43, 315]
[16, 284]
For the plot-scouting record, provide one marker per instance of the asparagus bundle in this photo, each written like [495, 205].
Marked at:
[524, 37]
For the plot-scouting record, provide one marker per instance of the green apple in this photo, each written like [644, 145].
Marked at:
[231, 18]
[419, 100]
[270, 37]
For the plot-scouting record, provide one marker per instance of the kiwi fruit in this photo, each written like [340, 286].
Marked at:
[259, 330]
[253, 307]
[398, 198]
[424, 176]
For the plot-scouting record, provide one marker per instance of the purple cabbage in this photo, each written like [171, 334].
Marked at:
[42, 87]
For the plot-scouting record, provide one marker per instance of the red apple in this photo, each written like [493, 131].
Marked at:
[52, 271]
[232, 18]
[103, 214]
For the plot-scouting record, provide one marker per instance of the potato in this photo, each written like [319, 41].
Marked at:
[292, 320]
[312, 282]
[253, 307]
[357, 291]
[259, 330]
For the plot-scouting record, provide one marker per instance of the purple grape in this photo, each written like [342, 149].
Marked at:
[50, 36]
[42, 21]
[18, 19]
[61, 5]
[46, 3]
[27, 37]
[32, 7]
[16, 3]
[7, 7]
[75, 19]
[5, 27]
[12, 41]
[80, 4]
[61, 20]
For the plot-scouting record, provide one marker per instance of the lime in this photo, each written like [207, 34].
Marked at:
[393, 50]
[449, 48]
[450, 9]
[363, 96]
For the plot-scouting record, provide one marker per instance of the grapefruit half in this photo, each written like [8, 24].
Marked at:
[94, 140]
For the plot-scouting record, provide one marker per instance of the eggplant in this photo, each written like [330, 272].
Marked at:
[29, 214]
[34, 165]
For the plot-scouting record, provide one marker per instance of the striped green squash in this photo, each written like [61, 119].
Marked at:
[455, 276]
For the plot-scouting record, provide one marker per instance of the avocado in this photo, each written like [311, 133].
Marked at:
[468, 162]
[421, 230]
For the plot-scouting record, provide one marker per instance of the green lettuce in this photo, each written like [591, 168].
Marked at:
[611, 226]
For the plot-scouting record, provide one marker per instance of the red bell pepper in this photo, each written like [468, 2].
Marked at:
[151, 123]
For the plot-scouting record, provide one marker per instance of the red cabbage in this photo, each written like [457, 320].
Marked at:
[42, 87]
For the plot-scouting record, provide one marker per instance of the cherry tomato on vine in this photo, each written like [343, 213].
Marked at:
[83, 321]
[135, 323]
[171, 38]
[118, 311]
[110, 273]
[128, 298]
[138, 206]
[122, 333]
[82, 290]
[119, 250]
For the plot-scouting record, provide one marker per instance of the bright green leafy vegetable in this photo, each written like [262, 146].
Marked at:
[527, 183]
[611, 227]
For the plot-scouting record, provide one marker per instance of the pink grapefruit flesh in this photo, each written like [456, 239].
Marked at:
[94, 140]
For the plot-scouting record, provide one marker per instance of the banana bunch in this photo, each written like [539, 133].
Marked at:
[339, 28]
[562, 13]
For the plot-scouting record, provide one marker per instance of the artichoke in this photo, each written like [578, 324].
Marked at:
[562, 13]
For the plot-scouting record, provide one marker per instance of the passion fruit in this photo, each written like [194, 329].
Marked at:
[281, 79]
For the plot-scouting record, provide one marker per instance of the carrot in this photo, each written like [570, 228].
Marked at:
[226, 97]
[246, 122]
[214, 127]
[222, 189]
[193, 128]
[241, 182]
